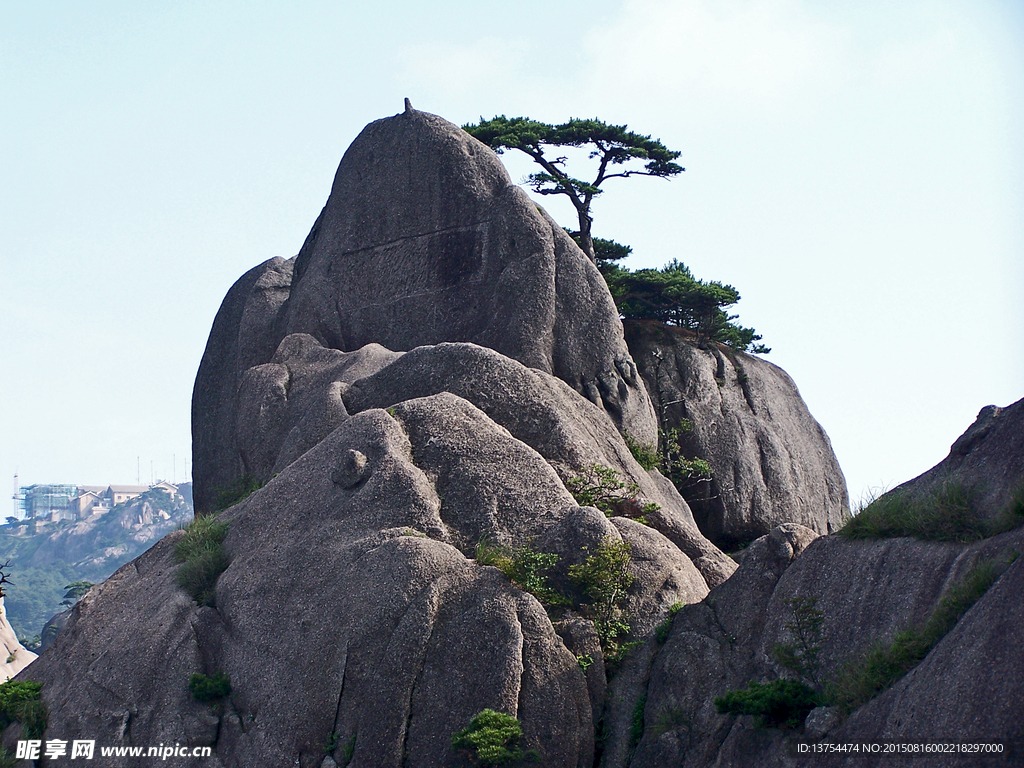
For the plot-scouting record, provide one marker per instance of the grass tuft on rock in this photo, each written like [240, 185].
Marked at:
[20, 702]
[946, 514]
[239, 490]
[203, 559]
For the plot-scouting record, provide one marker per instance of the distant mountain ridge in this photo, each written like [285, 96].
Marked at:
[87, 550]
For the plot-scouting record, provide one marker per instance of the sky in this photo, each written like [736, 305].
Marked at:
[855, 170]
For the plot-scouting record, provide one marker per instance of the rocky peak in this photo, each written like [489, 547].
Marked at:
[423, 240]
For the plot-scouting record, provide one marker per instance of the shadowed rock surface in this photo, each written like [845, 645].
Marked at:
[772, 462]
[424, 239]
[987, 459]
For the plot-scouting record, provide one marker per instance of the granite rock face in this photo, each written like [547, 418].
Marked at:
[968, 688]
[353, 606]
[772, 462]
[987, 460]
[424, 239]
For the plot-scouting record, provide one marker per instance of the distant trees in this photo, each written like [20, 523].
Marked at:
[75, 591]
[675, 297]
[612, 146]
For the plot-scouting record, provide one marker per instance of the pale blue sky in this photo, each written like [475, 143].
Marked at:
[854, 169]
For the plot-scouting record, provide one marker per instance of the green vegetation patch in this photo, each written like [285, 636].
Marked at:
[646, 456]
[801, 655]
[946, 514]
[20, 703]
[607, 490]
[491, 739]
[673, 295]
[209, 687]
[203, 559]
[780, 703]
[605, 578]
[636, 728]
[523, 566]
[861, 680]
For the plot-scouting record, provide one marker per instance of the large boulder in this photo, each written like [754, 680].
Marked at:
[424, 239]
[417, 389]
[772, 463]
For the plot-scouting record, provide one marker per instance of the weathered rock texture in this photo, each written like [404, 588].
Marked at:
[772, 462]
[969, 688]
[352, 605]
[421, 380]
[987, 459]
[424, 239]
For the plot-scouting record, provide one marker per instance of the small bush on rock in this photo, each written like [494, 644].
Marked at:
[780, 703]
[600, 487]
[209, 687]
[491, 739]
[523, 566]
[606, 489]
[647, 457]
[801, 655]
[605, 578]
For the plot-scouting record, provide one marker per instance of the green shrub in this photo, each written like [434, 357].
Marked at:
[647, 457]
[685, 473]
[203, 559]
[240, 489]
[606, 489]
[600, 487]
[780, 703]
[523, 566]
[491, 739]
[859, 681]
[605, 578]
[20, 703]
[209, 688]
